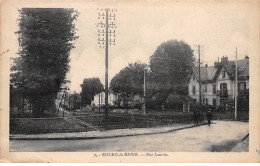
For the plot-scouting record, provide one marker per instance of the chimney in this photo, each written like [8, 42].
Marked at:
[224, 60]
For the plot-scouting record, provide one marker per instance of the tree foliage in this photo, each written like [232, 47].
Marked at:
[170, 66]
[129, 81]
[90, 87]
[171, 63]
[46, 38]
[175, 101]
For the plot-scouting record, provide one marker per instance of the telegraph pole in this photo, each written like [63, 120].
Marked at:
[199, 76]
[106, 80]
[144, 92]
[69, 105]
[236, 90]
[99, 104]
[64, 96]
[106, 28]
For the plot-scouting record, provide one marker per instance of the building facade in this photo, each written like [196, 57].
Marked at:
[99, 99]
[218, 81]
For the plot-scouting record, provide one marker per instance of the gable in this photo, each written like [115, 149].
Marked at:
[222, 72]
[192, 78]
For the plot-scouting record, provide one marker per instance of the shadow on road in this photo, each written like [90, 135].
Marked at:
[225, 146]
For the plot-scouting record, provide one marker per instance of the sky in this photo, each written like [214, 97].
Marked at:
[141, 27]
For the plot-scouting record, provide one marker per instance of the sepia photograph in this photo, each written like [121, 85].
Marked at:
[130, 79]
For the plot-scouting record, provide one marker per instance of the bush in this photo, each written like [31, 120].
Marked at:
[36, 126]
[174, 101]
[202, 108]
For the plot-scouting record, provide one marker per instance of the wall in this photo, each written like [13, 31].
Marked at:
[190, 85]
[111, 99]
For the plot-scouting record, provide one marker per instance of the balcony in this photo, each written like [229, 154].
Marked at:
[222, 93]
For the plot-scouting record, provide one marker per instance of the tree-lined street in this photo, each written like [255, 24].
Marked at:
[199, 139]
[172, 88]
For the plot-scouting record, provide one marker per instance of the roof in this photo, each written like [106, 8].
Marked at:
[242, 68]
[206, 73]
[209, 74]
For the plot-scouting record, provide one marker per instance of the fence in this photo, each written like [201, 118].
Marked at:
[117, 120]
[227, 115]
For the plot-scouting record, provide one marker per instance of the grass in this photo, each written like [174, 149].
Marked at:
[36, 126]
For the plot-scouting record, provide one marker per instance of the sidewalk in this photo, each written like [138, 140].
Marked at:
[103, 134]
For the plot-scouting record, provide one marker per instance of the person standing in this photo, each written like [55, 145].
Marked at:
[196, 117]
[209, 116]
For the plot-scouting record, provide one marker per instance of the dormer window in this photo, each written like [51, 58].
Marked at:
[224, 74]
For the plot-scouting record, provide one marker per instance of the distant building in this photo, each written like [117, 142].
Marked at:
[218, 81]
[100, 99]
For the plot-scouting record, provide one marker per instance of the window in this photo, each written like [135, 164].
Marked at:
[214, 101]
[205, 101]
[214, 88]
[193, 90]
[223, 86]
[223, 74]
[222, 102]
[241, 86]
[205, 88]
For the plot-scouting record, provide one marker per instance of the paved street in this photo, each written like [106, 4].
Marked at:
[198, 139]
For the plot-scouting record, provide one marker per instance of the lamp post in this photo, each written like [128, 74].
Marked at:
[144, 109]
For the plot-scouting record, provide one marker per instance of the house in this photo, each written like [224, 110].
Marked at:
[225, 79]
[100, 99]
[208, 85]
[218, 81]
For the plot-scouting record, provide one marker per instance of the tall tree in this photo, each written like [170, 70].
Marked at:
[170, 66]
[90, 87]
[46, 38]
[129, 81]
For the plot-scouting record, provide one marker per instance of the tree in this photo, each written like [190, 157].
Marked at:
[90, 87]
[170, 67]
[129, 81]
[46, 38]
[176, 101]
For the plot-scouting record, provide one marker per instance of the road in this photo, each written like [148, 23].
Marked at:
[198, 139]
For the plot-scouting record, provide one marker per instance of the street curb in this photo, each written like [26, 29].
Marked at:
[98, 137]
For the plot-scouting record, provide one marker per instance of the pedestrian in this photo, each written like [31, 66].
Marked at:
[196, 117]
[209, 116]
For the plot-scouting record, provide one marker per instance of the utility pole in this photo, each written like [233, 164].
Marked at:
[199, 76]
[99, 104]
[236, 90]
[74, 103]
[64, 95]
[69, 104]
[107, 27]
[144, 92]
